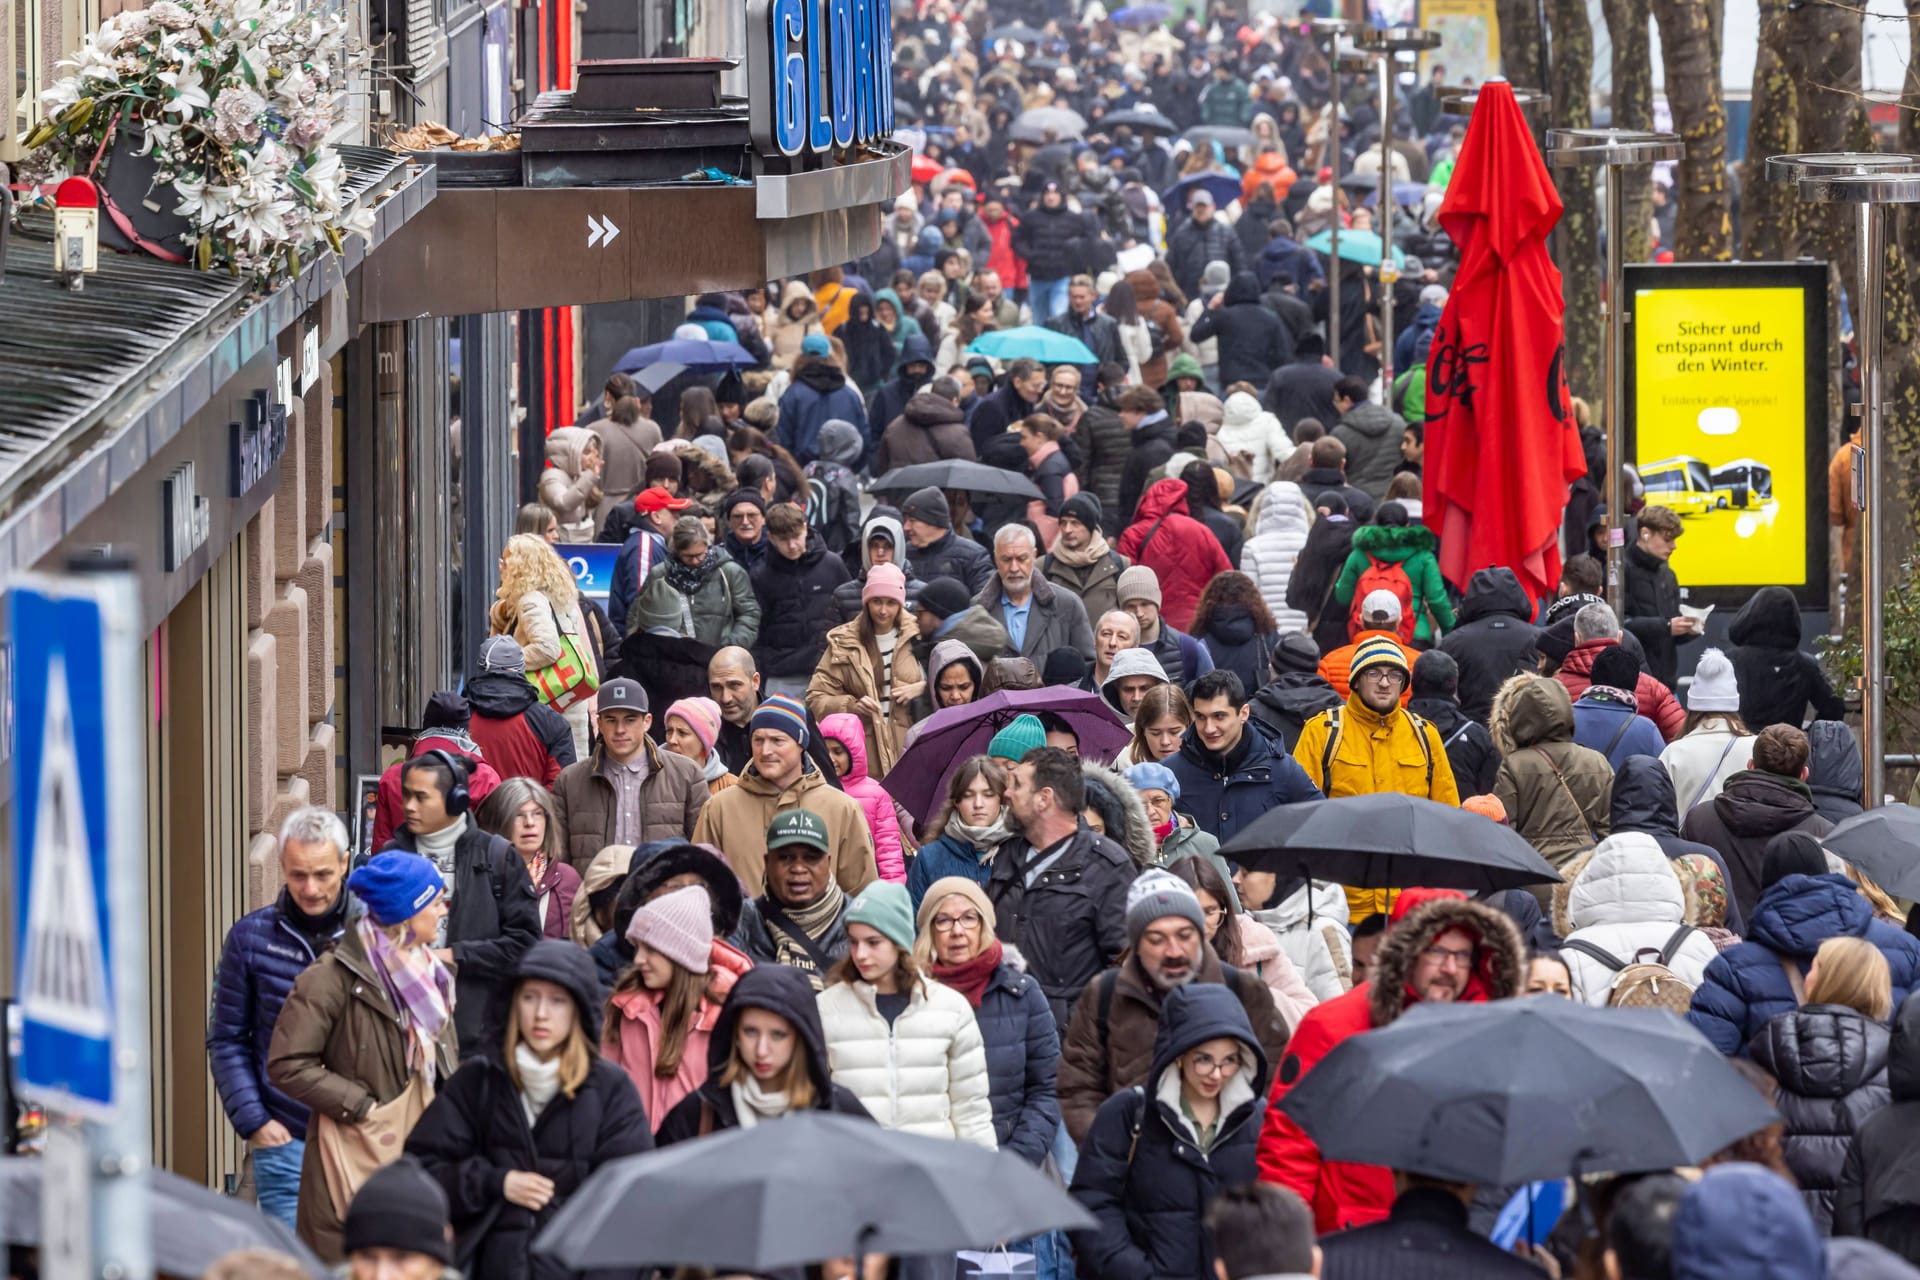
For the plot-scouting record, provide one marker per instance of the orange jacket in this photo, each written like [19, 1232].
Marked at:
[1337, 666]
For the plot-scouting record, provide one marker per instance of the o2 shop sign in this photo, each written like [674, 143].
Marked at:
[822, 73]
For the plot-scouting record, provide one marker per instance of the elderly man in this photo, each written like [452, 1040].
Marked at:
[1038, 616]
[733, 682]
[1113, 632]
[1081, 560]
[264, 952]
[1596, 627]
[800, 921]
[628, 791]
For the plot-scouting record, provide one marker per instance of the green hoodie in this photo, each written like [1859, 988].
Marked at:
[1412, 546]
[907, 325]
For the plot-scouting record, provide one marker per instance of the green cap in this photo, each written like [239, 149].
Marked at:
[798, 826]
[886, 908]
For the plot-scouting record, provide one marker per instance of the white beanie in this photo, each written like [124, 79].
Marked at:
[1714, 688]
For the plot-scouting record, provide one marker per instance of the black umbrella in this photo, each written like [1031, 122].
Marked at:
[1524, 1090]
[803, 1189]
[952, 473]
[1140, 120]
[1885, 844]
[1047, 124]
[192, 1226]
[1017, 31]
[1389, 841]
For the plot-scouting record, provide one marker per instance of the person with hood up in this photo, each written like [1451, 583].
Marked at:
[1251, 341]
[1743, 1219]
[1296, 693]
[819, 393]
[445, 725]
[1878, 1195]
[1835, 773]
[1394, 540]
[870, 668]
[1801, 907]
[957, 677]
[794, 585]
[1439, 949]
[1081, 562]
[870, 351]
[1643, 801]
[518, 735]
[700, 593]
[1240, 941]
[1158, 1153]
[882, 541]
[1469, 746]
[570, 485]
[1255, 443]
[1183, 554]
[1618, 903]
[1830, 1059]
[1134, 674]
[1493, 638]
[1282, 523]
[831, 494]
[1557, 793]
[930, 427]
[1778, 680]
[1606, 715]
[912, 370]
[1596, 627]
[1371, 433]
[1766, 798]
[599, 893]
[797, 320]
[847, 743]
[529, 1117]
[974, 827]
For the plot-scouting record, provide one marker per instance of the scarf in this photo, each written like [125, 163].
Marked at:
[1165, 829]
[317, 930]
[537, 869]
[539, 1081]
[987, 839]
[752, 1104]
[689, 581]
[970, 977]
[1067, 418]
[1095, 551]
[417, 983]
[438, 845]
[813, 921]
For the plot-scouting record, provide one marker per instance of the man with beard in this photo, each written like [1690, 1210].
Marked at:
[1081, 561]
[800, 921]
[1440, 949]
[1109, 1042]
[733, 682]
[1039, 617]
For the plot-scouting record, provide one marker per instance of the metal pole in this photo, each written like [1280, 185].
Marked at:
[1613, 308]
[1389, 275]
[1873, 700]
[1333, 225]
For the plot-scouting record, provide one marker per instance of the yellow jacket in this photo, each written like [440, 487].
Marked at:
[1371, 754]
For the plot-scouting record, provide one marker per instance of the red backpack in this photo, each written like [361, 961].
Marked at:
[1383, 575]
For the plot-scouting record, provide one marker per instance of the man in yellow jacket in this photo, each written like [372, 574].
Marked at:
[1373, 744]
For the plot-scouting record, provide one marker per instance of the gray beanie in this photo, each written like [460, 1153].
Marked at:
[1157, 894]
[928, 506]
[1214, 279]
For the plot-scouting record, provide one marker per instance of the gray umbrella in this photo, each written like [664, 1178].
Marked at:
[1047, 124]
[803, 1189]
[192, 1226]
[953, 473]
[1884, 843]
[1389, 841]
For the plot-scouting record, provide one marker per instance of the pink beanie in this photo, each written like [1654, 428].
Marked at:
[679, 925]
[702, 715]
[885, 582]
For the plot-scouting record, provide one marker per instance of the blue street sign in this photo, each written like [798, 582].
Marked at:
[592, 565]
[62, 837]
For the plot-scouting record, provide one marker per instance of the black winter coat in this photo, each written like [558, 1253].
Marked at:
[1099, 331]
[1652, 597]
[1153, 443]
[1050, 477]
[1192, 247]
[1778, 681]
[1235, 645]
[796, 608]
[1282, 707]
[1492, 639]
[1023, 1058]
[1470, 748]
[1831, 1062]
[1879, 1192]
[1055, 242]
[1310, 589]
[1835, 773]
[1226, 531]
[1105, 445]
[994, 414]
[1425, 1237]
[1299, 391]
[1072, 923]
[952, 557]
[1252, 342]
[1643, 801]
[1751, 809]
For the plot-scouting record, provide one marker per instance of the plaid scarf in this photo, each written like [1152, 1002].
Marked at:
[689, 581]
[417, 983]
[814, 921]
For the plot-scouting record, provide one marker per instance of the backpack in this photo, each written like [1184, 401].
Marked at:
[828, 484]
[1383, 575]
[1642, 983]
[1332, 745]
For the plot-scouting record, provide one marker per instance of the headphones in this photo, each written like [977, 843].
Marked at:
[458, 801]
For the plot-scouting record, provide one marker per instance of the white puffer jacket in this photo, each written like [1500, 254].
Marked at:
[926, 1074]
[1625, 899]
[1321, 949]
[1279, 531]
[1246, 428]
[1701, 762]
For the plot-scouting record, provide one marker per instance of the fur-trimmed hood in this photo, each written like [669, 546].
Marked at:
[1392, 542]
[1530, 709]
[1109, 790]
[1499, 968]
[715, 476]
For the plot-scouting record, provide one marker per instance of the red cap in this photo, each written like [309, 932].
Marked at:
[1412, 899]
[648, 501]
[77, 193]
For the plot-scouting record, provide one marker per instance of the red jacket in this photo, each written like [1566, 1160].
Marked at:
[1657, 702]
[1184, 555]
[1008, 265]
[391, 813]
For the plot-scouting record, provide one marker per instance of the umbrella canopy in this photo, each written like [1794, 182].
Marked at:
[1362, 247]
[1525, 1089]
[952, 473]
[799, 1190]
[1390, 841]
[1885, 844]
[926, 168]
[1034, 342]
[192, 1226]
[1224, 189]
[1047, 124]
[700, 355]
[1140, 15]
[656, 376]
[1141, 119]
[1500, 453]
[953, 735]
[1017, 31]
[1227, 135]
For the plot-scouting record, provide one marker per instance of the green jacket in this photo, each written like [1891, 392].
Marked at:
[724, 611]
[1412, 546]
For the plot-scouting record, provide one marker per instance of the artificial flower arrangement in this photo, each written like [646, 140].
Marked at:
[233, 108]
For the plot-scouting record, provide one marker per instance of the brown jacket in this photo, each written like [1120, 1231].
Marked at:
[340, 1050]
[1096, 1062]
[849, 670]
[737, 819]
[671, 798]
[1558, 793]
[1153, 307]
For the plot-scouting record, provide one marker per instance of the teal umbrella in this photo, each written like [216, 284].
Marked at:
[1362, 247]
[1035, 343]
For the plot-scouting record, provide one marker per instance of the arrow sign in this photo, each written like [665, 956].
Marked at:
[600, 231]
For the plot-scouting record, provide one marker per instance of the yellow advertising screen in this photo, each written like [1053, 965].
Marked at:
[1722, 419]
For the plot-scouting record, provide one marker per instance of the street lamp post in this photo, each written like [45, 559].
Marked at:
[1332, 30]
[1389, 45]
[1613, 149]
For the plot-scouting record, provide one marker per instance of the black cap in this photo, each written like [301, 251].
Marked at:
[446, 710]
[399, 1207]
[1064, 667]
[945, 598]
[622, 694]
[1084, 507]
[1296, 652]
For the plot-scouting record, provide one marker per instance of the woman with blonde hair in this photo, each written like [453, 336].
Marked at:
[538, 604]
[1162, 718]
[529, 1118]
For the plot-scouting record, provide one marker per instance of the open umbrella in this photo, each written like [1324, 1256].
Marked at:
[1017, 31]
[656, 376]
[700, 355]
[954, 473]
[953, 735]
[1388, 840]
[1523, 1090]
[1362, 247]
[1224, 188]
[1047, 124]
[1227, 135]
[798, 1190]
[1140, 15]
[1885, 844]
[926, 169]
[192, 1226]
[1034, 342]
[1141, 119]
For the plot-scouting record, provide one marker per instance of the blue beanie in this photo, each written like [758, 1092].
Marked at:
[783, 715]
[1152, 776]
[396, 886]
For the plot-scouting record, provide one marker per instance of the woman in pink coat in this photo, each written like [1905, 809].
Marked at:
[847, 744]
[665, 1006]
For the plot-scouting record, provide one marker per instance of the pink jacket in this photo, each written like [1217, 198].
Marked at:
[888, 853]
[1261, 949]
[633, 1036]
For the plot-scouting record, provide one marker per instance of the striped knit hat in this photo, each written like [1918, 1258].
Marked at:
[1378, 649]
[782, 714]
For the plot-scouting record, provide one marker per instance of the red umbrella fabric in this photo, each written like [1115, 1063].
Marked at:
[1502, 446]
[952, 735]
[926, 169]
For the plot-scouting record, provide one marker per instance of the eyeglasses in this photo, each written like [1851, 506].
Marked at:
[1447, 958]
[1207, 1065]
[1382, 674]
[954, 924]
[1215, 914]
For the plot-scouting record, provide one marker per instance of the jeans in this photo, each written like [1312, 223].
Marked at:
[276, 1179]
[1047, 298]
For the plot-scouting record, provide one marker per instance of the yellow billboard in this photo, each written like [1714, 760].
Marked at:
[1727, 418]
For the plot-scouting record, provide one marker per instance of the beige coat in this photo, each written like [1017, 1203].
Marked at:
[538, 622]
[850, 670]
[737, 819]
[566, 488]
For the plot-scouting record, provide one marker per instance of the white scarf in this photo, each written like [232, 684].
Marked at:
[438, 845]
[539, 1081]
[752, 1104]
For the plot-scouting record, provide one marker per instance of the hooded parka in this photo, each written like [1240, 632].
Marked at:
[1279, 535]
[889, 857]
[1835, 773]
[1493, 638]
[566, 488]
[1309, 918]
[928, 429]
[1778, 680]
[1255, 442]
[1557, 793]
[1182, 552]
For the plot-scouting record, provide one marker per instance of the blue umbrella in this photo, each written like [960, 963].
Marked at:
[1362, 247]
[1144, 14]
[1035, 343]
[1223, 188]
[699, 355]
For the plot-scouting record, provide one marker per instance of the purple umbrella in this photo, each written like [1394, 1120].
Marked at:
[953, 735]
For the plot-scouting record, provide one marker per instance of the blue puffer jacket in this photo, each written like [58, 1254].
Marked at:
[941, 858]
[263, 956]
[1023, 1056]
[1225, 796]
[818, 395]
[1745, 986]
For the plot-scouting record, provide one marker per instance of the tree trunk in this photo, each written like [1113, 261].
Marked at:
[1628, 29]
[1690, 48]
[1770, 211]
[1523, 51]
[1578, 250]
